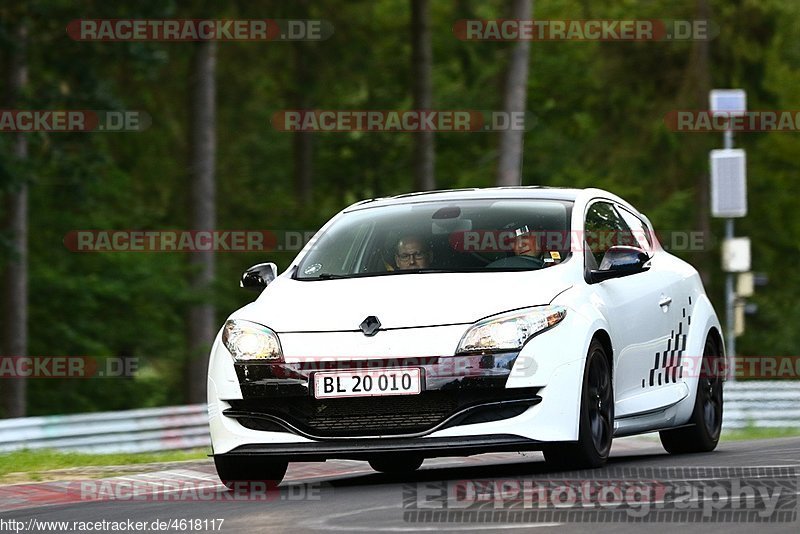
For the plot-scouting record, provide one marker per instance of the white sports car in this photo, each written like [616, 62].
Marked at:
[460, 322]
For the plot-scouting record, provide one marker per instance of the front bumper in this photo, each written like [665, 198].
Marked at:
[457, 390]
[532, 396]
[364, 449]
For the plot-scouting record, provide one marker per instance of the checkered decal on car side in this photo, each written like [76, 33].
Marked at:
[667, 367]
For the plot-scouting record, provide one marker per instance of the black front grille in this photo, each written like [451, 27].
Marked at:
[399, 415]
[391, 415]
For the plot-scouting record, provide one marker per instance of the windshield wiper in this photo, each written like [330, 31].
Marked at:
[331, 276]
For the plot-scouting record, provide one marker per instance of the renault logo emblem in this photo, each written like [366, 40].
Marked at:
[370, 326]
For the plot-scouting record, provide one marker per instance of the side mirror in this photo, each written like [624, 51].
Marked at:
[620, 261]
[259, 276]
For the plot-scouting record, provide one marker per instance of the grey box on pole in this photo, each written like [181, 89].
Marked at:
[728, 183]
[728, 101]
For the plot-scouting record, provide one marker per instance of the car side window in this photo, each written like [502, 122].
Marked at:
[641, 234]
[604, 228]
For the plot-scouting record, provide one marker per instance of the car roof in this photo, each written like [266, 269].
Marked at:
[520, 192]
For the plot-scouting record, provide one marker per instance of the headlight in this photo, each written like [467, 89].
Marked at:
[509, 331]
[248, 341]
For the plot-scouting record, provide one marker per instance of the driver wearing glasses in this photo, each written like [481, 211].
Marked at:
[412, 252]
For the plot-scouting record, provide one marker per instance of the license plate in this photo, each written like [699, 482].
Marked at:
[367, 383]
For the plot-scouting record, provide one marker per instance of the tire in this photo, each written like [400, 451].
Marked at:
[596, 426]
[240, 471]
[706, 421]
[396, 465]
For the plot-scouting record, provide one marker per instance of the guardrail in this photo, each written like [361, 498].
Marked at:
[761, 404]
[144, 430]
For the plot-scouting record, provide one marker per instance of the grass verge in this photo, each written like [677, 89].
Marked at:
[754, 432]
[28, 461]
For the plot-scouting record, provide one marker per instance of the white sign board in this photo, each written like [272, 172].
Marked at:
[728, 183]
[736, 255]
[728, 101]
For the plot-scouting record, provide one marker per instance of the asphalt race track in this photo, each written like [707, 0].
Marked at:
[347, 496]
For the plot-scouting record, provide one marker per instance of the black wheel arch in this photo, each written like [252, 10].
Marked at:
[605, 340]
[715, 335]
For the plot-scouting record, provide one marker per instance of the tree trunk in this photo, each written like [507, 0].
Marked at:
[695, 90]
[15, 324]
[302, 142]
[509, 166]
[202, 323]
[421, 65]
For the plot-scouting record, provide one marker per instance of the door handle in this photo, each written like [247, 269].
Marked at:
[665, 301]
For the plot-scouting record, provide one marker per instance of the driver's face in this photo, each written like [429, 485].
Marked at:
[411, 254]
[525, 245]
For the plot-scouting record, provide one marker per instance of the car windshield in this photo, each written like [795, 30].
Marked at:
[442, 236]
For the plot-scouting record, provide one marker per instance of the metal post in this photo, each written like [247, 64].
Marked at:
[730, 294]
[730, 313]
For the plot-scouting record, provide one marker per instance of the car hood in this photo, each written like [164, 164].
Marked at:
[400, 300]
